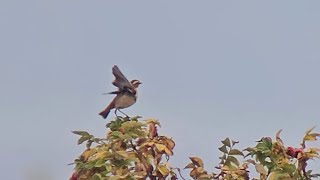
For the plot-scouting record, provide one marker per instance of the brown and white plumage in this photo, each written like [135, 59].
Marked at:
[121, 81]
[126, 95]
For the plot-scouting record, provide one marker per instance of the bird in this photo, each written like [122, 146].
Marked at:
[126, 95]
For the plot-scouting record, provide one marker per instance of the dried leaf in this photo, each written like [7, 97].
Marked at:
[153, 132]
[170, 143]
[153, 121]
[278, 137]
[197, 161]
[190, 166]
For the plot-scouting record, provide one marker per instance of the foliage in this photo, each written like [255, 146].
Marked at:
[271, 159]
[133, 149]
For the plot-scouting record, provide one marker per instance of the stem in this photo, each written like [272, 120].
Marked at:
[179, 171]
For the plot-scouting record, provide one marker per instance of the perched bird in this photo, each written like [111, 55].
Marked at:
[126, 95]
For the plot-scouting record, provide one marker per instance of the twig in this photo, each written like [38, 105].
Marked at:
[179, 171]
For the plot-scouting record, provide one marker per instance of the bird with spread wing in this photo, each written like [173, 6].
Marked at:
[126, 95]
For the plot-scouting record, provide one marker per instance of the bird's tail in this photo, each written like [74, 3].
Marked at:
[105, 113]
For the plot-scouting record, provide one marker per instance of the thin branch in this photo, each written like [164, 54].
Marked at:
[179, 171]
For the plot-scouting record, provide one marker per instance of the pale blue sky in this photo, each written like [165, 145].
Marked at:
[210, 69]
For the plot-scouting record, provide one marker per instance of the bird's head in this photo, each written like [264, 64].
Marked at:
[135, 83]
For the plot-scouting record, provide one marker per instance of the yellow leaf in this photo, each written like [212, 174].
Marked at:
[101, 155]
[132, 156]
[124, 154]
[315, 150]
[154, 121]
[272, 176]
[312, 156]
[260, 169]
[204, 176]
[85, 155]
[160, 147]
[309, 130]
[309, 138]
[168, 152]
[149, 144]
[225, 169]
[163, 169]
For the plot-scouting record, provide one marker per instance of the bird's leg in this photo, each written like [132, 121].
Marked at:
[115, 112]
[123, 113]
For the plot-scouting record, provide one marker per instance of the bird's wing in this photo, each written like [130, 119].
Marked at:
[121, 81]
[113, 92]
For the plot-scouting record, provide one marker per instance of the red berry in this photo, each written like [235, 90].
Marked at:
[291, 151]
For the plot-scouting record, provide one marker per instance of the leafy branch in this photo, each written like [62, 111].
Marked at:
[133, 149]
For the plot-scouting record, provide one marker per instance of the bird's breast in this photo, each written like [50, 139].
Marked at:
[124, 100]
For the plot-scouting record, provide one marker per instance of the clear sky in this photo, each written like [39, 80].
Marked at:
[210, 70]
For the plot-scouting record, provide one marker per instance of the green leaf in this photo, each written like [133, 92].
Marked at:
[233, 160]
[131, 126]
[289, 168]
[89, 143]
[264, 146]
[267, 142]
[226, 142]
[223, 157]
[116, 134]
[81, 133]
[223, 149]
[234, 142]
[235, 152]
[83, 139]
[249, 149]
[96, 176]
[100, 163]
